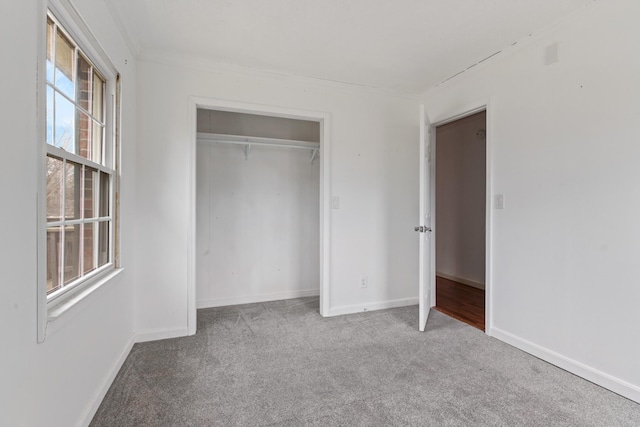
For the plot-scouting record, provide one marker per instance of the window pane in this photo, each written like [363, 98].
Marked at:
[50, 115]
[54, 251]
[83, 134]
[54, 189]
[98, 90]
[64, 123]
[77, 195]
[71, 253]
[50, 31]
[103, 243]
[84, 83]
[97, 139]
[72, 192]
[65, 53]
[104, 194]
[91, 178]
[90, 239]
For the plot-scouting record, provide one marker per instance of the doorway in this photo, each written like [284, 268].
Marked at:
[322, 156]
[257, 208]
[460, 218]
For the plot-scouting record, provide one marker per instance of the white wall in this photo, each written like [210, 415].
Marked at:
[54, 383]
[564, 142]
[460, 200]
[374, 172]
[257, 224]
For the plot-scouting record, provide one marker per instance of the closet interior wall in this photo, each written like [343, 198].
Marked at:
[257, 216]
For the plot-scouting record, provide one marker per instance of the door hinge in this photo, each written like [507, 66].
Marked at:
[422, 229]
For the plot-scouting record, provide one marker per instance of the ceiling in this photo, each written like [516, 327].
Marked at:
[403, 45]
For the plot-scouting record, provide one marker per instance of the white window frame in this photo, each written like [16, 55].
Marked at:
[50, 307]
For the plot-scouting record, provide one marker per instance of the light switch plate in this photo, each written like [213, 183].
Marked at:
[335, 202]
[499, 201]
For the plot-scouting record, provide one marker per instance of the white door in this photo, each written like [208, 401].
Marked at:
[424, 228]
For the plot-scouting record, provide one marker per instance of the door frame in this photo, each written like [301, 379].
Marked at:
[324, 119]
[442, 119]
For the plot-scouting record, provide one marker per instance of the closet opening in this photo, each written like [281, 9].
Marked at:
[258, 207]
[460, 208]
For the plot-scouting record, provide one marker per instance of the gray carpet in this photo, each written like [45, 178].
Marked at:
[280, 363]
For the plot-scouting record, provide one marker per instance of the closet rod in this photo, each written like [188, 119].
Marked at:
[244, 140]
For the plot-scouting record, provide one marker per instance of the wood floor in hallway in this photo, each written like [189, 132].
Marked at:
[461, 302]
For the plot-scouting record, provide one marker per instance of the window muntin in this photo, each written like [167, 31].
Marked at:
[79, 173]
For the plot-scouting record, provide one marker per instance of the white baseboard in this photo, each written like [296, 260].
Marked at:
[462, 280]
[160, 334]
[250, 299]
[600, 378]
[96, 399]
[371, 306]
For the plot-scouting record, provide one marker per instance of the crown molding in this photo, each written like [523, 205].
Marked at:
[131, 40]
[194, 61]
[533, 39]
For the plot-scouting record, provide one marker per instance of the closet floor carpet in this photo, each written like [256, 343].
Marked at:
[281, 363]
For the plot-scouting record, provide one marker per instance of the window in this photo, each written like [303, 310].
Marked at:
[80, 165]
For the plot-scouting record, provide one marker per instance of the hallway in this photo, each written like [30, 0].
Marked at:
[461, 302]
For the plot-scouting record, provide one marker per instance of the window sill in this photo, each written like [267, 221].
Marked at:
[56, 309]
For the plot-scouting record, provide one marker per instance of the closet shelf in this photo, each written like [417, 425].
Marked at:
[254, 140]
[248, 141]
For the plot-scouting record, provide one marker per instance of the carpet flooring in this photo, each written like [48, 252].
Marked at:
[282, 364]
